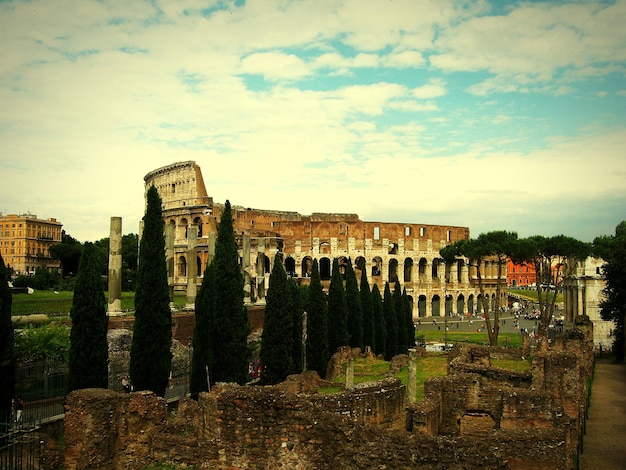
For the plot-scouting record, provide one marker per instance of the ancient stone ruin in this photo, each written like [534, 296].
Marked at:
[478, 416]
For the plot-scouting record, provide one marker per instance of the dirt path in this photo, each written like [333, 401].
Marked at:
[604, 444]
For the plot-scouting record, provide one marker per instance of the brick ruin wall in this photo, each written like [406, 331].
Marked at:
[243, 428]
[476, 417]
[534, 419]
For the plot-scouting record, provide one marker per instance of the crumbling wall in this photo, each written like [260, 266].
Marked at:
[543, 409]
[108, 430]
[237, 427]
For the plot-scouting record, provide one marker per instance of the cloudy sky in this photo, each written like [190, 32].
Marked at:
[487, 114]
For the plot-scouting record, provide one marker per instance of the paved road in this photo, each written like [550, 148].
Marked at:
[604, 445]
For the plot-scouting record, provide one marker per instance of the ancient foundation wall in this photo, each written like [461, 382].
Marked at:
[243, 428]
[534, 418]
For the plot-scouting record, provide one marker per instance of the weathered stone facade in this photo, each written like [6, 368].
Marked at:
[407, 252]
[248, 428]
[582, 291]
[533, 419]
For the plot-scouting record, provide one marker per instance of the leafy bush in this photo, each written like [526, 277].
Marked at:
[38, 343]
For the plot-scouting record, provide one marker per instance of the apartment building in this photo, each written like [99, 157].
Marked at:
[25, 241]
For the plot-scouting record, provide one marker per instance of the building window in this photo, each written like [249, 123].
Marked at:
[376, 233]
[448, 235]
[407, 231]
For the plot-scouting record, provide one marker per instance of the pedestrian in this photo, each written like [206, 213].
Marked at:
[19, 407]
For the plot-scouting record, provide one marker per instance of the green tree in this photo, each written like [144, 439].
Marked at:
[380, 328]
[89, 356]
[496, 246]
[297, 313]
[391, 323]
[551, 256]
[337, 311]
[369, 338]
[612, 249]
[203, 335]
[408, 318]
[231, 325]
[317, 354]
[150, 353]
[355, 309]
[7, 354]
[400, 315]
[68, 252]
[278, 324]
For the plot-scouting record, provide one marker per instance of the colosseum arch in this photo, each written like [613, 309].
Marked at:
[470, 304]
[436, 306]
[343, 266]
[421, 306]
[183, 226]
[377, 266]
[290, 266]
[325, 268]
[422, 269]
[393, 271]
[198, 223]
[408, 269]
[460, 304]
[359, 266]
[182, 266]
[307, 264]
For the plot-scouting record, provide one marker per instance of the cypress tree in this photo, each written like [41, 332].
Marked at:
[368, 312]
[7, 355]
[277, 338]
[380, 329]
[297, 312]
[231, 322]
[355, 309]
[317, 354]
[150, 352]
[89, 353]
[400, 314]
[337, 311]
[203, 341]
[391, 323]
[410, 326]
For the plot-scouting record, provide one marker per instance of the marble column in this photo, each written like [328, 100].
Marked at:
[192, 267]
[115, 267]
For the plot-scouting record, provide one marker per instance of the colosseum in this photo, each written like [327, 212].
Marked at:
[389, 252]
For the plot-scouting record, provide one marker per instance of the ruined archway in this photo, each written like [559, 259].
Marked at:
[325, 268]
[198, 223]
[408, 268]
[422, 267]
[393, 271]
[343, 266]
[377, 265]
[421, 306]
[290, 266]
[436, 306]
[460, 304]
[182, 266]
[307, 263]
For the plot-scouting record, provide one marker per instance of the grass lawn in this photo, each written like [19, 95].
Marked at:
[531, 294]
[59, 305]
[504, 339]
[371, 370]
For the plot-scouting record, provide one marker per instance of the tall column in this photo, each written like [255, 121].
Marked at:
[115, 267]
[246, 269]
[192, 267]
[411, 388]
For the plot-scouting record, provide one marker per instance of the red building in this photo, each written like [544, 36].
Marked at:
[520, 274]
